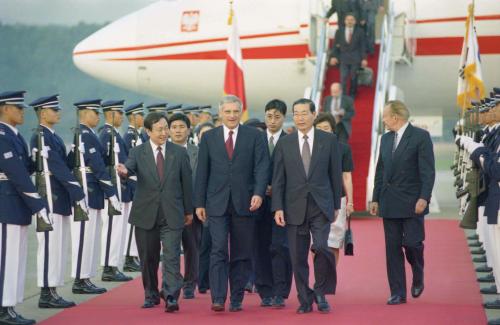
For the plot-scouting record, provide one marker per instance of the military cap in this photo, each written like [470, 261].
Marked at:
[190, 109]
[93, 104]
[113, 106]
[174, 108]
[157, 107]
[46, 102]
[206, 109]
[15, 98]
[134, 109]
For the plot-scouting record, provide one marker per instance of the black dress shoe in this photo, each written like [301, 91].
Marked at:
[202, 290]
[148, 303]
[474, 244]
[50, 299]
[478, 251]
[218, 306]
[235, 306]
[278, 302]
[484, 268]
[188, 293]
[84, 286]
[172, 305]
[323, 306]
[266, 302]
[396, 300]
[112, 274]
[416, 290]
[304, 309]
[489, 278]
[8, 316]
[473, 237]
[131, 264]
[491, 290]
[249, 287]
[495, 304]
[494, 321]
[479, 259]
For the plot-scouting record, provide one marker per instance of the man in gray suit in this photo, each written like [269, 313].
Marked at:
[342, 109]
[162, 206]
[307, 187]
[179, 125]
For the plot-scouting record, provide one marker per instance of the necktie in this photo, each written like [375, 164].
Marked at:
[159, 163]
[395, 143]
[306, 155]
[229, 145]
[349, 35]
[271, 144]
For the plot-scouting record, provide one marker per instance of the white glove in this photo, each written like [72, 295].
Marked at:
[116, 148]
[464, 140]
[115, 203]
[43, 214]
[470, 146]
[45, 152]
[83, 205]
[81, 147]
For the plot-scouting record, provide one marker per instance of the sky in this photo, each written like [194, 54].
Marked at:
[66, 12]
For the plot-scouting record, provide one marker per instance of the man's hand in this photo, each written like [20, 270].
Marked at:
[45, 216]
[83, 205]
[122, 170]
[420, 206]
[188, 219]
[364, 63]
[115, 203]
[373, 208]
[255, 203]
[202, 214]
[334, 61]
[269, 190]
[349, 209]
[279, 218]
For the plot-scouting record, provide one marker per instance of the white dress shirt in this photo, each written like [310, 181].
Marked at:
[310, 140]
[275, 136]
[349, 30]
[400, 133]
[226, 134]
[155, 149]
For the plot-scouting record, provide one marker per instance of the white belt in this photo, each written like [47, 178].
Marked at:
[3, 177]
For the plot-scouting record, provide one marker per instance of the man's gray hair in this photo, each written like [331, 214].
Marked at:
[398, 108]
[229, 99]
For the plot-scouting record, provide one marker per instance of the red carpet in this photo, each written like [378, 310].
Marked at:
[451, 294]
[360, 139]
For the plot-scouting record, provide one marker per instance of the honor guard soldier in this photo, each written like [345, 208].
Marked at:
[19, 200]
[132, 138]
[205, 114]
[66, 193]
[192, 112]
[114, 230]
[86, 234]
[157, 107]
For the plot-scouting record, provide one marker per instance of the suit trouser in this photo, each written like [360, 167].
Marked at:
[273, 267]
[85, 244]
[148, 245]
[114, 235]
[130, 244]
[410, 234]
[204, 261]
[13, 255]
[190, 243]
[349, 71]
[299, 240]
[53, 252]
[235, 266]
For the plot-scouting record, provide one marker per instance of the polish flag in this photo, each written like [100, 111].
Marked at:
[234, 82]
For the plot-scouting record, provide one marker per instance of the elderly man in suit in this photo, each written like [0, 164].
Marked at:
[404, 180]
[231, 181]
[307, 187]
[349, 49]
[180, 128]
[342, 109]
[162, 206]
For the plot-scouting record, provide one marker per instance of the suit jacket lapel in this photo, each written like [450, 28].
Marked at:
[221, 143]
[317, 147]
[167, 166]
[403, 143]
[296, 150]
[237, 140]
[150, 162]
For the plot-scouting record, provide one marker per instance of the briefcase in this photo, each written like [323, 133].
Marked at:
[365, 77]
[348, 239]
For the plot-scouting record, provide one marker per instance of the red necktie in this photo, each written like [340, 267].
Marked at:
[349, 35]
[159, 163]
[229, 145]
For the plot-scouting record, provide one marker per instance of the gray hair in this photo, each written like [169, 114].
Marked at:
[399, 109]
[229, 99]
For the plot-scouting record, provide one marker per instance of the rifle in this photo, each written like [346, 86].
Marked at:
[42, 181]
[79, 170]
[113, 150]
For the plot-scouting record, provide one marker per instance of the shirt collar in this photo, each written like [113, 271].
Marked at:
[154, 146]
[402, 130]
[310, 134]
[14, 129]
[275, 135]
[51, 130]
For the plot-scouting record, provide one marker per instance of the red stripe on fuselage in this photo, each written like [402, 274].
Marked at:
[453, 45]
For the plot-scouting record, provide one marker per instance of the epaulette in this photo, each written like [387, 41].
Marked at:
[85, 131]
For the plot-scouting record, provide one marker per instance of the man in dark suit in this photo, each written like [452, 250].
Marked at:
[273, 267]
[342, 109]
[404, 180]
[231, 181]
[307, 187]
[162, 206]
[180, 128]
[342, 8]
[349, 49]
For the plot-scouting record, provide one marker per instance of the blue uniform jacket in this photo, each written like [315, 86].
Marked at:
[65, 188]
[19, 199]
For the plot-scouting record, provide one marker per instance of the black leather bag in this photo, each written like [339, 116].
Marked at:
[348, 239]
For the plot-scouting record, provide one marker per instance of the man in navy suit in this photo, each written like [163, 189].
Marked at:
[273, 267]
[404, 180]
[231, 181]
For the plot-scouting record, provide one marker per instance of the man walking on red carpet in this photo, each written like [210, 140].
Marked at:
[403, 186]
